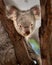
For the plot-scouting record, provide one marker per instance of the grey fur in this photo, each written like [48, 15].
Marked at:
[6, 48]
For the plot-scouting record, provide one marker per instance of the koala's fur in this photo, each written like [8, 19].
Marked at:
[7, 54]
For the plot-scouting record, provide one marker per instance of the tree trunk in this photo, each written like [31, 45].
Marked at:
[46, 32]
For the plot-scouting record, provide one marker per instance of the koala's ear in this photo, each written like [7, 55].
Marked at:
[36, 11]
[11, 11]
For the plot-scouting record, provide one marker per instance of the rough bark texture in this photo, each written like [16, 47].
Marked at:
[46, 32]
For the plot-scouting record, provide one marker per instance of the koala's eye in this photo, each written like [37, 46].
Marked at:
[20, 26]
[31, 24]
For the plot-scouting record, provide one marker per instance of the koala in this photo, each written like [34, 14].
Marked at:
[24, 21]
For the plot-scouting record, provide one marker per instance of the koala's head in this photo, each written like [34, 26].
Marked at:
[24, 21]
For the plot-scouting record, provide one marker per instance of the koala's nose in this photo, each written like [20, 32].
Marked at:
[27, 32]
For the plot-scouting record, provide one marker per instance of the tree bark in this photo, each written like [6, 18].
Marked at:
[46, 32]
